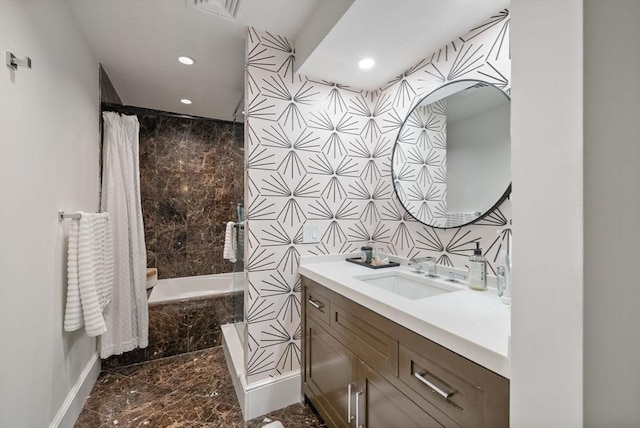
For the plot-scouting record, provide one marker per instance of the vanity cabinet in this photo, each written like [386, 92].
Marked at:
[363, 370]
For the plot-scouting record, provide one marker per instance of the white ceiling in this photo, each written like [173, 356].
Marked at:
[138, 42]
[396, 34]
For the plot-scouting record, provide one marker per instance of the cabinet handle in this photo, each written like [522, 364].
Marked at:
[349, 417]
[442, 392]
[315, 304]
[358, 394]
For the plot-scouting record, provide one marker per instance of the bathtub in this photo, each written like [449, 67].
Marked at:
[192, 287]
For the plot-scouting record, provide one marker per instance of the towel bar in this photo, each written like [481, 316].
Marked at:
[62, 215]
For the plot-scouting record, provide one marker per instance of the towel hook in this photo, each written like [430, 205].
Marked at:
[14, 62]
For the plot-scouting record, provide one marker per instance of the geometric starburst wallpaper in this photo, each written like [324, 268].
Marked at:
[320, 151]
[419, 163]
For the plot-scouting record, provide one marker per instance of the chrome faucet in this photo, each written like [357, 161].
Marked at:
[416, 262]
[456, 277]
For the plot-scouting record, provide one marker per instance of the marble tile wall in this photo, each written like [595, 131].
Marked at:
[178, 328]
[191, 179]
[108, 93]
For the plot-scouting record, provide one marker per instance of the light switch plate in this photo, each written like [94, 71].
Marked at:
[310, 234]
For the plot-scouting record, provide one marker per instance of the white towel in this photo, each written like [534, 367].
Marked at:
[459, 218]
[230, 243]
[90, 273]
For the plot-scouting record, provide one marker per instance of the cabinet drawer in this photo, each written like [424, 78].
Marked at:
[468, 394]
[317, 304]
[362, 330]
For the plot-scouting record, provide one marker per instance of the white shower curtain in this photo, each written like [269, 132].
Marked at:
[126, 317]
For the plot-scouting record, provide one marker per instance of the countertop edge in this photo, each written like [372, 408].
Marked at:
[488, 358]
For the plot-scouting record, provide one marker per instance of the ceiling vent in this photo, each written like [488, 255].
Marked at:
[225, 9]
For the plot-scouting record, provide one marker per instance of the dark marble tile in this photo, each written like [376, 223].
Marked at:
[167, 349]
[151, 258]
[205, 341]
[202, 373]
[238, 307]
[125, 359]
[147, 150]
[108, 93]
[150, 235]
[200, 263]
[203, 212]
[172, 265]
[90, 419]
[191, 390]
[168, 322]
[204, 237]
[220, 264]
[299, 415]
[171, 211]
[222, 309]
[202, 320]
[172, 190]
[225, 210]
[191, 172]
[171, 238]
[117, 393]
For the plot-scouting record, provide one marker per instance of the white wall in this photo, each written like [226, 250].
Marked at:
[612, 214]
[478, 143]
[547, 166]
[49, 146]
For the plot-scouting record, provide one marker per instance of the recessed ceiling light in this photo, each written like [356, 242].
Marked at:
[366, 63]
[185, 101]
[187, 60]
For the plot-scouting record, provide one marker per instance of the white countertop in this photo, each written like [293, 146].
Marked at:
[474, 324]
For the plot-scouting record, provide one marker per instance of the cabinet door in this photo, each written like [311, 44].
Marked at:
[330, 371]
[382, 405]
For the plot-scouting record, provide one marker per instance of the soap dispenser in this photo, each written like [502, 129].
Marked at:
[477, 270]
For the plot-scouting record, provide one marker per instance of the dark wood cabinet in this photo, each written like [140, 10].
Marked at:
[362, 370]
[382, 405]
[330, 371]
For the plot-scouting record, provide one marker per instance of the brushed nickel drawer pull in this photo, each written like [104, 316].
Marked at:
[358, 394]
[317, 305]
[439, 391]
[349, 417]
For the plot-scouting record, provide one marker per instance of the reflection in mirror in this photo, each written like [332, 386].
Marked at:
[451, 161]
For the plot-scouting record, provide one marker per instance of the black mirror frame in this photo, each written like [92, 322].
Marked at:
[504, 196]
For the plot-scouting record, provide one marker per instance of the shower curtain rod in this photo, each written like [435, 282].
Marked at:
[119, 108]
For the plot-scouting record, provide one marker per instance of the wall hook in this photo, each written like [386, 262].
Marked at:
[14, 62]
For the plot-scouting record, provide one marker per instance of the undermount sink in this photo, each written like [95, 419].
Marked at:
[409, 286]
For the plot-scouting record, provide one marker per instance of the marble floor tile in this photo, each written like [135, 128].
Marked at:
[191, 390]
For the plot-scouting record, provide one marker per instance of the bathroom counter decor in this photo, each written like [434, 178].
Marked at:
[358, 261]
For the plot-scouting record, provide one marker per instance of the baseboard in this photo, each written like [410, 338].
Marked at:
[234, 356]
[72, 405]
[272, 394]
[262, 397]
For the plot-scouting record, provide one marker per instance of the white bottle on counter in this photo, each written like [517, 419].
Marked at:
[477, 270]
[505, 262]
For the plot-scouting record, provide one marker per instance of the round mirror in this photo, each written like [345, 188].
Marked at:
[451, 161]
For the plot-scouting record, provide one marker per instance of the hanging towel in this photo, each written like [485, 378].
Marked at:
[458, 218]
[90, 273]
[230, 243]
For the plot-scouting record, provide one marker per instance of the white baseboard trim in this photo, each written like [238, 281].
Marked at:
[234, 356]
[72, 406]
[262, 397]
